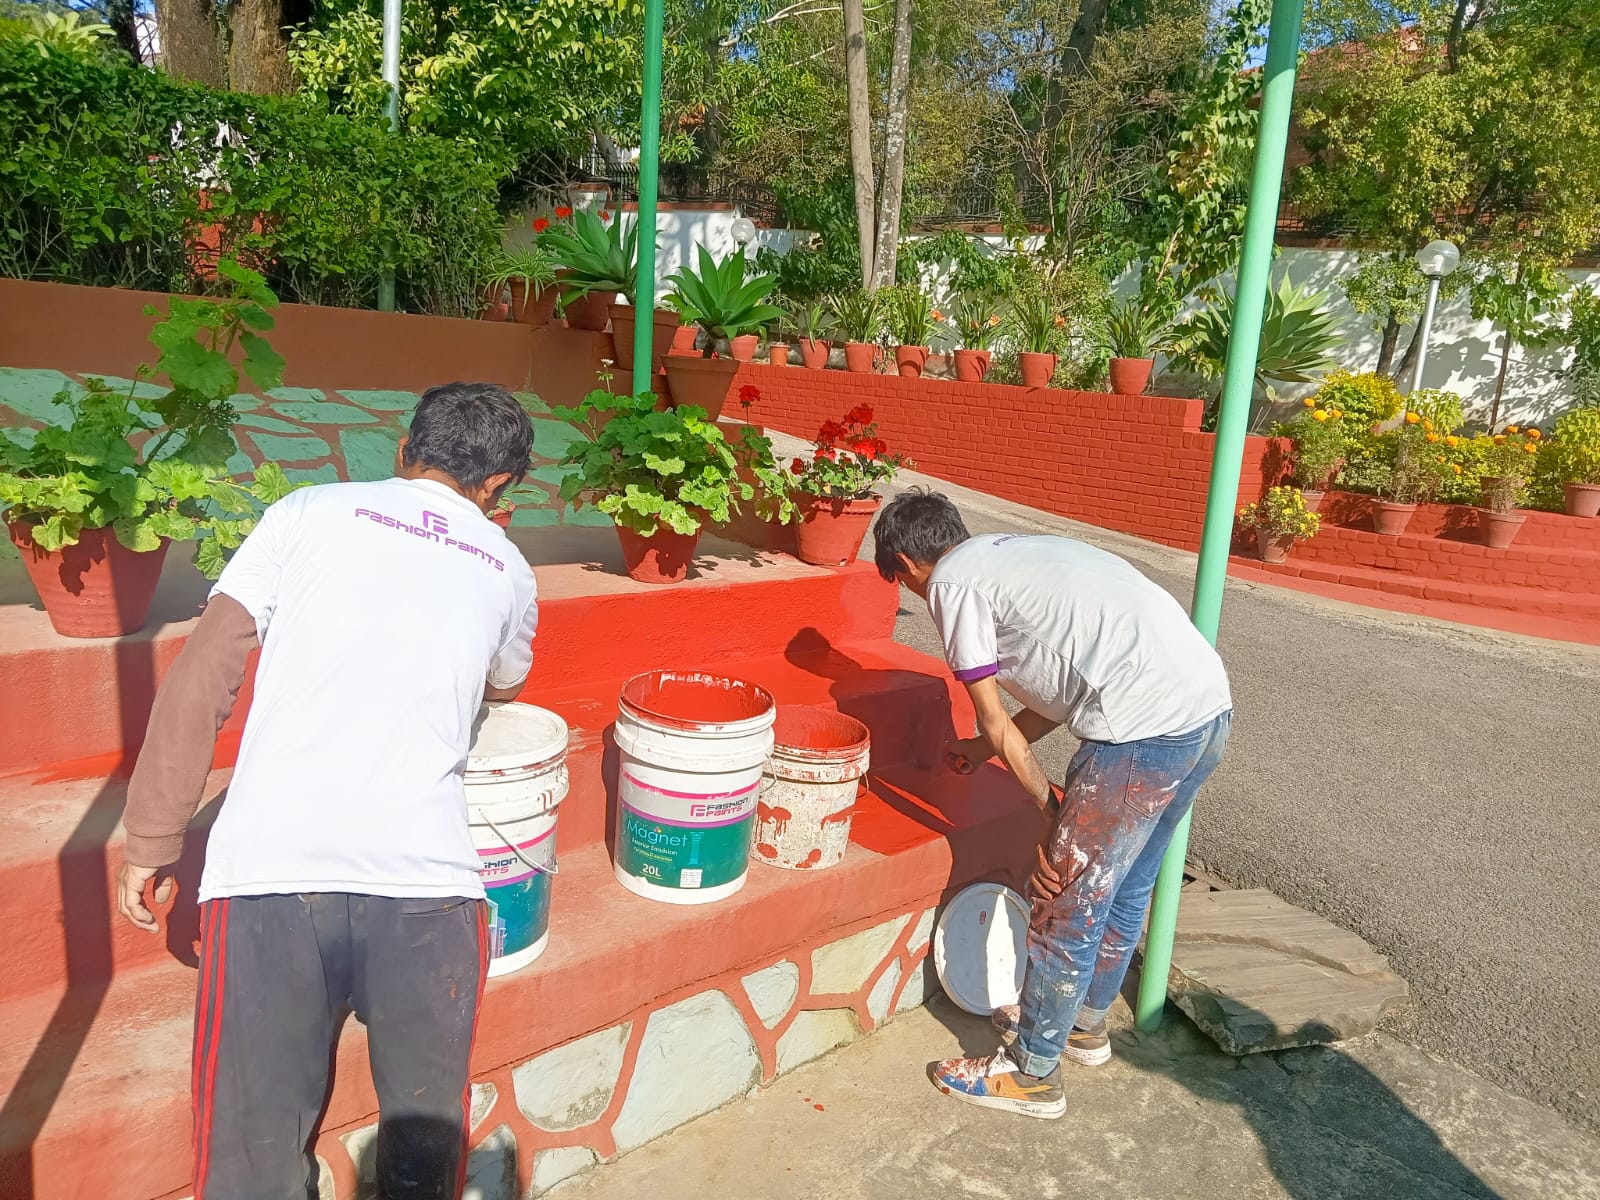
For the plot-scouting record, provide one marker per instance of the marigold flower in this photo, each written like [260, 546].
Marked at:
[993, 321]
[1531, 448]
[1456, 467]
[1427, 424]
[563, 212]
[1512, 429]
[1499, 439]
[1535, 434]
[1338, 413]
[1319, 415]
[1452, 440]
[1433, 437]
[1061, 322]
[540, 224]
[1412, 418]
[1310, 402]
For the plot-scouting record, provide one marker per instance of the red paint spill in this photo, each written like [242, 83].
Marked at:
[799, 727]
[766, 851]
[842, 817]
[819, 1107]
[767, 812]
[694, 698]
[813, 858]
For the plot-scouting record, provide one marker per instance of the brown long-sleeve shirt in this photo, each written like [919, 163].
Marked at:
[195, 699]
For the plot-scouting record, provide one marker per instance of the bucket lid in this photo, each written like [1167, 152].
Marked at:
[513, 737]
[812, 734]
[980, 948]
[698, 701]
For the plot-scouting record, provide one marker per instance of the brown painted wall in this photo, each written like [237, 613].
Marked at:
[84, 330]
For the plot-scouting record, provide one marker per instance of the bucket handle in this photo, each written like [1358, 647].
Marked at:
[552, 869]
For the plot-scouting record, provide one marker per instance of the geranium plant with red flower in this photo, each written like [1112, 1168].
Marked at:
[848, 459]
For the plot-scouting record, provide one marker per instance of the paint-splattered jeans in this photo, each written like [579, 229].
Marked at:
[1120, 806]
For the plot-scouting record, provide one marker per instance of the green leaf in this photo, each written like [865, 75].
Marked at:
[271, 484]
[209, 558]
[196, 368]
[137, 533]
[262, 363]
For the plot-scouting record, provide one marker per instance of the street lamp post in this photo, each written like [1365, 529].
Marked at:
[391, 112]
[1435, 260]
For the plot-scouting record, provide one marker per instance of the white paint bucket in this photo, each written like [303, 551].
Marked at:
[516, 779]
[693, 746]
[808, 797]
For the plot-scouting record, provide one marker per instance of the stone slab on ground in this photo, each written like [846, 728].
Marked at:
[1170, 1116]
[1256, 973]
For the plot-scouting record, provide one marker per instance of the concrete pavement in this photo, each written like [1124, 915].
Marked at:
[1170, 1117]
[1431, 787]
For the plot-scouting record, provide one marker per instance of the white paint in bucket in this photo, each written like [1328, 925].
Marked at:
[516, 779]
[808, 797]
[693, 747]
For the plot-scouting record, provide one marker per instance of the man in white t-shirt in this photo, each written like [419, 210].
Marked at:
[1078, 638]
[340, 875]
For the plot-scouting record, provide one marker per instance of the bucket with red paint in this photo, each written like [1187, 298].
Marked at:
[693, 749]
[808, 797]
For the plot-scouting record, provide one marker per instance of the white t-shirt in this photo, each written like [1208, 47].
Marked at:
[1077, 635]
[382, 608]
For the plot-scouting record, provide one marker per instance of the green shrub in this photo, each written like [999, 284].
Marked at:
[109, 173]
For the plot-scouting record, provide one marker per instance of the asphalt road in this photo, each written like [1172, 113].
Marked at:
[1429, 786]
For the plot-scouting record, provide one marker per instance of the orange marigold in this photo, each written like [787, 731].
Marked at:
[1412, 418]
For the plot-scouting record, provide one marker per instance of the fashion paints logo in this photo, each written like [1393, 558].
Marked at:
[432, 528]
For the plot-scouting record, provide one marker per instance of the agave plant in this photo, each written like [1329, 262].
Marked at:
[857, 314]
[1136, 330]
[808, 321]
[595, 256]
[911, 314]
[720, 299]
[1297, 337]
[977, 319]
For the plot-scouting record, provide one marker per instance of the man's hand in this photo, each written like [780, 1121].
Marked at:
[965, 755]
[131, 881]
[1045, 882]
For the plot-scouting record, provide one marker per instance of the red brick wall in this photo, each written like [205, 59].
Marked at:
[1138, 464]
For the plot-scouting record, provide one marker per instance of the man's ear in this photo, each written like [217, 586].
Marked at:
[907, 566]
[400, 453]
[496, 484]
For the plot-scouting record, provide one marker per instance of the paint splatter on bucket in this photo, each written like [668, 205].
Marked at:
[808, 796]
[693, 746]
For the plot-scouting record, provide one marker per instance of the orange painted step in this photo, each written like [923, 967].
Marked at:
[98, 1076]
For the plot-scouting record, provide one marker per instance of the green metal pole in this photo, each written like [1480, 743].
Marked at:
[644, 290]
[1250, 298]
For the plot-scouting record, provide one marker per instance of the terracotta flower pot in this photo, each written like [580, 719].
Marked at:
[1313, 498]
[494, 308]
[743, 347]
[684, 338]
[96, 588]
[909, 361]
[814, 353]
[1274, 547]
[830, 532]
[590, 312]
[664, 327]
[703, 382]
[1036, 368]
[972, 365]
[778, 354]
[662, 557]
[1582, 499]
[1499, 529]
[535, 312]
[860, 357]
[1130, 376]
[502, 516]
[1390, 517]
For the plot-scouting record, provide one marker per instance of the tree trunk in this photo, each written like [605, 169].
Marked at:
[1500, 380]
[894, 150]
[119, 16]
[860, 105]
[190, 47]
[1391, 338]
[1402, 370]
[258, 51]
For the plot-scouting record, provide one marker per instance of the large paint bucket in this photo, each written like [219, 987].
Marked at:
[516, 779]
[693, 747]
[808, 797]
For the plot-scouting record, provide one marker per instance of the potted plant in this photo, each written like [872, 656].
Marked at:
[502, 513]
[1038, 328]
[811, 327]
[1280, 519]
[858, 316]
[777, 345]
[1575, 456]
[1507, 464]
[724, 304]
[1134, 334]
[1319, 447]
[596, 262]
[977, 322]
[662, 476]
[835, 486]
[530, 273]
[911, 320]
[93, 505]
[665, 323]
[1409, 469]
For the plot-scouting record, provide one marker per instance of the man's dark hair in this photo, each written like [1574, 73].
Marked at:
[920, 524]
[470, 431]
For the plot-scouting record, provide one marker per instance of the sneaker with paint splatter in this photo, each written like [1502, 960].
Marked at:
[1086, 1047]
[997, 1082]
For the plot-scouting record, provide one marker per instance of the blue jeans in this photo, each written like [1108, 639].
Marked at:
[1121, 804]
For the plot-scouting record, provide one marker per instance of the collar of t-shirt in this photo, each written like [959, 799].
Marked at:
[443, 489]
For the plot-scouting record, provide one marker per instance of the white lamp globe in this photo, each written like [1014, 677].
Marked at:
[743, 230]
[1438, 258]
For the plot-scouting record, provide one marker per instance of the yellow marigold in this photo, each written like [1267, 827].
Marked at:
[1512, 429]
[1456, 467]
[1337, 413]
[1452, 440]
[1427, 424]
[1319, 415]
[1412, 418]
[1309, 402]
[1531, 448]
[1433, 437]
[1535, 434]
[1499, 439]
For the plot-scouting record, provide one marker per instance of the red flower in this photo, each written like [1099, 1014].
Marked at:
[563, 211]
[861, 414]
[830, 433]
[540, 224]
[828, 453]
[798, 466]
[879, 446]
[865, 448]
[749, 394]
[605, 214]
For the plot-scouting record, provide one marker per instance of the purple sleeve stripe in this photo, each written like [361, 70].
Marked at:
[973, 674]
